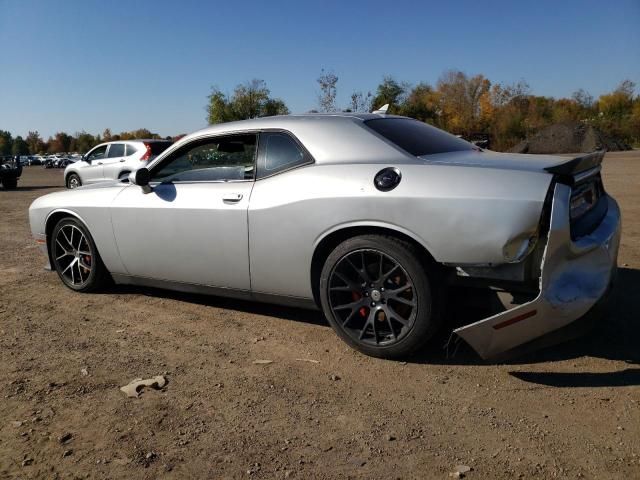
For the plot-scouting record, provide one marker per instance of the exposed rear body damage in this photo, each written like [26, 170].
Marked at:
[575, 273]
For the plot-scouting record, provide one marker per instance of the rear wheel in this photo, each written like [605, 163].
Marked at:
[75, 257]
[73, 181]
[375, 292]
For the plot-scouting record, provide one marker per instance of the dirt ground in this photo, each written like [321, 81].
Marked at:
[319, 410]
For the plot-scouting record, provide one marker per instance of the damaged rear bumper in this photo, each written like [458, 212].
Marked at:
[576, 274]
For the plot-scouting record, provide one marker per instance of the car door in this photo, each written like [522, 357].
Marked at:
[91, 170]
[112, 164]
[191, 227]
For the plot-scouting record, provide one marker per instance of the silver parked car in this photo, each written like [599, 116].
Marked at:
[371, 218]
[112, 161]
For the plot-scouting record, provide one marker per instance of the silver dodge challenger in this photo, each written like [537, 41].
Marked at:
[371, 217]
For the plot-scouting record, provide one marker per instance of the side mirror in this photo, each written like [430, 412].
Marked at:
[141, 177]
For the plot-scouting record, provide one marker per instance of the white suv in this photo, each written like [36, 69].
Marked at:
[113, 161]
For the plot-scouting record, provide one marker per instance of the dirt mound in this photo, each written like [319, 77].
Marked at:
[570, 137]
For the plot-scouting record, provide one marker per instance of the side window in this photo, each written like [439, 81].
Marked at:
[116, 150]
[279, 151]
[131, 149]
[97, 154]
[224, 158]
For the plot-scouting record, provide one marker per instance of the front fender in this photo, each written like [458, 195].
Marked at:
[91, 206]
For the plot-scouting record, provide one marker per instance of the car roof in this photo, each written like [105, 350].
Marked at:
[329, 137]
[273, 121]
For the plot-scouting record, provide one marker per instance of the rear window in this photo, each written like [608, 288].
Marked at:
[416, 137]
[158, 147]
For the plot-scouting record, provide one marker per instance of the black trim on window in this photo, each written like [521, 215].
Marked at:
[88, 155]
[262, 171]
[203, 141]
[417, 138]
[113, 146]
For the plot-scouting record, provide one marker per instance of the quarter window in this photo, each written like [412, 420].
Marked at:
[279, 152]
[116, 150]
[225, 158]
[131, 149]
[97, 153]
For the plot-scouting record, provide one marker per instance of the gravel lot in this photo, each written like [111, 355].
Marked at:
[319, 410]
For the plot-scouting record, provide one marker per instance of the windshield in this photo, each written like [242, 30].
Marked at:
[417, 137]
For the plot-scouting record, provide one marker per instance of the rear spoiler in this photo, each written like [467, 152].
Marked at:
[578, 164]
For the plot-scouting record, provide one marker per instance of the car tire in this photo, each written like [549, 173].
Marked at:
[73, 181]
[123, 176]
[380, 296]
[75, 257]
[10, 183]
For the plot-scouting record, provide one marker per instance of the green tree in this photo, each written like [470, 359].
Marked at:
[422, 103]
[218, 109]
[392, 92]
[249, 100]
[6, 142]
[60, 143]
[35, 143]
[19, 147]
[274, 107]
[141, 133]
[84, 142]
[144, 133]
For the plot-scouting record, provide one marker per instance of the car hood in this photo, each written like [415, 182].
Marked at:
[489, 159]
[105, 184]
[88, 195]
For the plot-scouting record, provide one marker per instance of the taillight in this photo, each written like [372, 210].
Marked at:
[147, 154]
[583, 198]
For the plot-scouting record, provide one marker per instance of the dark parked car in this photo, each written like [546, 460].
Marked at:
[10, 171]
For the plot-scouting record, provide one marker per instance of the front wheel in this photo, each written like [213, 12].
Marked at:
[75, 257]
[376, 294]
[73, 181]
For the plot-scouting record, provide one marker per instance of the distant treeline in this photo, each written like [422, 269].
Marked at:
[63, 142]
[472, 105]
[459, 103]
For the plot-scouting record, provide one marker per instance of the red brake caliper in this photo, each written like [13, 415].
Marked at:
[356, 296]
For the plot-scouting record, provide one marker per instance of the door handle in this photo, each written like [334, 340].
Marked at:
[232, 197]
[122, 160]
[99, 163]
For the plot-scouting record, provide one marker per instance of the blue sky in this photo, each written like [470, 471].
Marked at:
[92, 64]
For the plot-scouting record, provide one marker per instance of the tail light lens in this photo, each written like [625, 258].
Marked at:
[147, 154]
[583, 199]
